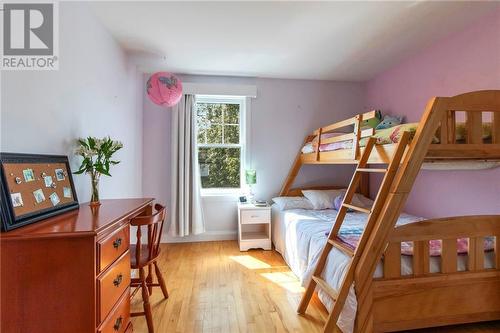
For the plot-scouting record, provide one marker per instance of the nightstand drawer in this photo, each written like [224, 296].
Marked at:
[251, 216]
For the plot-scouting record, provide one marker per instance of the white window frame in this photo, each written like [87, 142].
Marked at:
[243, 145]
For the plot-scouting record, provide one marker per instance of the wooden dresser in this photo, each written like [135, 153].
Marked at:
[70, 273]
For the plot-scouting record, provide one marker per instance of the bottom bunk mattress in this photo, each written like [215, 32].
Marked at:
[299, 235]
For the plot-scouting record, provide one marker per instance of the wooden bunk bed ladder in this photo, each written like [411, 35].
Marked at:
[339, 296]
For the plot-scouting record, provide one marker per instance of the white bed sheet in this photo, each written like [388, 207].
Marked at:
[299, 235]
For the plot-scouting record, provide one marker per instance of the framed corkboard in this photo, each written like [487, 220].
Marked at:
[34, 187]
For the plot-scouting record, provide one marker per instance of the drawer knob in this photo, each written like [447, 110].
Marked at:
[117, 243]
[118, 280]
[254, 216]
[118, 323]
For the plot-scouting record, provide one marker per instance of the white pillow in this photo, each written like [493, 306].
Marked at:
[322, 199]
[285, 203]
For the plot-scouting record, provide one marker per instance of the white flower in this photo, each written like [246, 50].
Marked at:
[98, 143]
[117, 145]
[85, 152]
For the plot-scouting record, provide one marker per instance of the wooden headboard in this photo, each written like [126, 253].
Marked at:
[297, 192]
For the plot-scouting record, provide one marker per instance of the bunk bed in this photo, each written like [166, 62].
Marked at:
[455, 290]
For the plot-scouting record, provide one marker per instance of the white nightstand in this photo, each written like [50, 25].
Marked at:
[254, 227]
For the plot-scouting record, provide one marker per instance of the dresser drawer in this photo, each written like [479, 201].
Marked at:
[112, 284]
[118, 320]
[112, 247]
[249, 216]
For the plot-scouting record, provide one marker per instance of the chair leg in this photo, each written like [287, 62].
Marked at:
[149, 279]
[161, 281]
[145, 300]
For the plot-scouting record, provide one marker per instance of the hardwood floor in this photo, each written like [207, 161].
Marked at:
[215, 288]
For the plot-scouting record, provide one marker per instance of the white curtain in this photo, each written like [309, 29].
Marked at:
[187, 211]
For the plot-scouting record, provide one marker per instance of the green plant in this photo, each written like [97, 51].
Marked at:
[97, 160]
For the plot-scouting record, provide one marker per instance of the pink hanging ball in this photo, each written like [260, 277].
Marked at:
[164, 88]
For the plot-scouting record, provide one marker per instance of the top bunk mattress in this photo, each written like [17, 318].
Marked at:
[383, 136]
[393, 135]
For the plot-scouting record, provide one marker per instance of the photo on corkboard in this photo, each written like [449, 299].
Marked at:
[17, 199]
[48, 181]
[29, 176]
[54, 199]
[34, 187]
[60, 175]
[39, 196]
[66, 192]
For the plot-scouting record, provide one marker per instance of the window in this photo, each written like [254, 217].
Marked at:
[220, 142]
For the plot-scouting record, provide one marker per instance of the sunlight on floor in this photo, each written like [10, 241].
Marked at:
[286, 280]
[250, 262]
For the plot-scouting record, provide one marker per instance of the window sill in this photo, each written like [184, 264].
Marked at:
[231, 195]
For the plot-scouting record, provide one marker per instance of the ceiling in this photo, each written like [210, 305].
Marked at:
[298, 40]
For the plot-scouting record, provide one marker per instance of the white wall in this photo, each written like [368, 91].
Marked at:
[95, 92]
[281, 115]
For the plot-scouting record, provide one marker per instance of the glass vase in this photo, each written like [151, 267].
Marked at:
[94, 199]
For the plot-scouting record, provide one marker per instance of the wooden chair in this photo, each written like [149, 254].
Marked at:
[145, 255]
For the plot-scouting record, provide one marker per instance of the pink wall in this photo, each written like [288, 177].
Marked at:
[466, 61]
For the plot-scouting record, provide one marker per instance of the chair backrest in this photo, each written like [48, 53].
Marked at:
[154, 224]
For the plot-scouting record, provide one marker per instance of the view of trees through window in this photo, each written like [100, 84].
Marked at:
[219, 148]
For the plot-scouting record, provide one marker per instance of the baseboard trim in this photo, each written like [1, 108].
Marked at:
[208, 236]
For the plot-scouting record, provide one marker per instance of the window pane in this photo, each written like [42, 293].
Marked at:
[201, 136]
[219, 167]
[214, 112]
[231, 134]
[208, 113]
[201, 116]
[232, 114]
[214, 134]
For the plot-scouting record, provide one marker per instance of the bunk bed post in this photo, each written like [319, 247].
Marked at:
[364, 315]
[357, 137]
[292, 174]
[319, 143]
[364, 182]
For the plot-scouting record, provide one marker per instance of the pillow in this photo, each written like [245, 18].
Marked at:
[322, 199]
[389, 121]
[357, 200]
[373, 122]
[391, 135]
[285, 203]
[308, 148]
